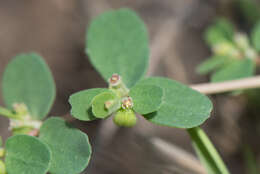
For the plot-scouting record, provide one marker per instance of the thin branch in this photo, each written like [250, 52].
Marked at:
[179, 155]
[7, 113]
[214, 88]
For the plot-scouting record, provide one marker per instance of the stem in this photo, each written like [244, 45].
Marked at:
[206, 151]
[214, 88]
[7, 113]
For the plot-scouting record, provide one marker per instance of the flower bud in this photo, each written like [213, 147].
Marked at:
[114, 80]
[125, 118]
[117, 86]
[127, 103]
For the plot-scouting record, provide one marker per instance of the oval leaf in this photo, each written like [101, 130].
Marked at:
[221, 31]
[69, 146]
[99, 104]
[117, 42]
[255, 36]
[81, 103]
[211, 64]
[146, 98]
[27, 79]
[181, 107]
[236, 70]
[26, 154]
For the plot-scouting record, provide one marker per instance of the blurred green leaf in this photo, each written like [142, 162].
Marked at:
[211, 64]
[27, 79]
[182, 106]
[117, 42]
[236, 70]
[99, 101]
[255, 36]
[26, 154]
[146, 98]
[221, 31]
[2, 167]
[69, 146]
[249, 9]
[81, 103]
[206, 152]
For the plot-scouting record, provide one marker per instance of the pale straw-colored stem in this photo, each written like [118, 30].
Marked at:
[214, 88]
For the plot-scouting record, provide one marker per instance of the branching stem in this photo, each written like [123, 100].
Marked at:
[7, 113]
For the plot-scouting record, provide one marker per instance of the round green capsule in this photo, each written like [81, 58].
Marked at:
[125, 118]
[2, 167]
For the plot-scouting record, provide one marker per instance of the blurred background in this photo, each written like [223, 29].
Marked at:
[56, 29]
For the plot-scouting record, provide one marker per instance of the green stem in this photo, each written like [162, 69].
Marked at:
[7, 113]
[206, 152]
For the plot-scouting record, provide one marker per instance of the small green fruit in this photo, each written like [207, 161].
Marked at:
[2, 167]
[125, 118]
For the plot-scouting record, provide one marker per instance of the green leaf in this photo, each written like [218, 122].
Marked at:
[221, 31]
[206, 152]
[211, 64]
[182, 106]
[26, 155]
[2, 167]
[255, 36]
[146, 98]
[117, 42]
[69, 146]
[99, 104]
[27, 79]
[81, 103]
[236, 70]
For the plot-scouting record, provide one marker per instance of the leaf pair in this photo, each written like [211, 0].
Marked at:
[60, 149]
[171, 104]
[89, 104]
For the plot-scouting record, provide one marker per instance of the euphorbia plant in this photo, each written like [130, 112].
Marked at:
[37, 146]
[117, 45]
[235, 55]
